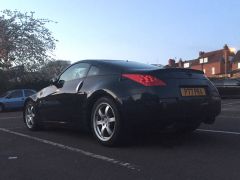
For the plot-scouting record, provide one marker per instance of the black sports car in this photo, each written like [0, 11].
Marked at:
[111, 97]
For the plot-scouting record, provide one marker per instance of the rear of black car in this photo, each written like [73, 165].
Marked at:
[169, 96]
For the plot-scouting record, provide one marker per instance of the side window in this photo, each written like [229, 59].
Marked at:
[75, 72]
[28, 93]
[93, 71]
[230, 82]
[16, 94]
[218, 82]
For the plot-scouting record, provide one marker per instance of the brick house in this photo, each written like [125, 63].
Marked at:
[219, 63]
[236, 65]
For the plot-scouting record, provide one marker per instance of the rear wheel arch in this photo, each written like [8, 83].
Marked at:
[97, 95]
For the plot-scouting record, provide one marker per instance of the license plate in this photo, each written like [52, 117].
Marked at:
[193, 92]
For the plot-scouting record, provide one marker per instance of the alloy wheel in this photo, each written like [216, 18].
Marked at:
[29, 116]
[104, 121]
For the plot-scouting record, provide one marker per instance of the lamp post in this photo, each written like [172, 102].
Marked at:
[232, 50]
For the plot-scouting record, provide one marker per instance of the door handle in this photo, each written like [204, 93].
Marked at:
[79, 86]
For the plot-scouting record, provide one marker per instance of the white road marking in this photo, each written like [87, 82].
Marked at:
[14, 117]
[228, 117]
[73, 149]
[12, 157]
[231, 104]
[219, 131]
[14, 128]
[233, 109]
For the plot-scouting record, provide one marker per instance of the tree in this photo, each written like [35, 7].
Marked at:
[25, 40]
[53, 69]
[3, 81]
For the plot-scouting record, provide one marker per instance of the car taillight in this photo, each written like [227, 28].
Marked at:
[146, 80]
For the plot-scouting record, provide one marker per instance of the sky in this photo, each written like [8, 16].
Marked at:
[148, 31]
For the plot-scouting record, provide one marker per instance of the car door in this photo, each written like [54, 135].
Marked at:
[220, 86]
[232, 87]
[15, 99]
[237, 88]
[65, 103]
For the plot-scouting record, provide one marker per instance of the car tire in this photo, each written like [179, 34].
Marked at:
[30, 116]
[1, 108]
[106, 124]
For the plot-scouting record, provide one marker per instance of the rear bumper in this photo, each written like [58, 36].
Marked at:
[150, 109]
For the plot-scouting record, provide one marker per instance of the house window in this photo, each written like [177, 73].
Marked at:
[205, 60]
[204, 70]
[239, 65]
[213, 70]
[186, 65]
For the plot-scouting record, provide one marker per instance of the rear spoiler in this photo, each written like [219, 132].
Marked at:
[180, 70]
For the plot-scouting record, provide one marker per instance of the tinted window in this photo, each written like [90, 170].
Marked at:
[93, 71]
[5, 94]
[16, 94]
[133, 65]
[75, 72]
[28, 92]
[217, 82]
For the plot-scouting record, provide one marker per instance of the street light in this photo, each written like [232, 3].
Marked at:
[232, 49]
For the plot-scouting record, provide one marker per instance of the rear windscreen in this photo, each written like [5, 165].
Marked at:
[134, 65]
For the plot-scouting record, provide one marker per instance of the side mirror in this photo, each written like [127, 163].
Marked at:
[57, 83]
[60, 83]
[53, 81]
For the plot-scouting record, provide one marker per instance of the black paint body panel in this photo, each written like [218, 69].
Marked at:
[137, 104]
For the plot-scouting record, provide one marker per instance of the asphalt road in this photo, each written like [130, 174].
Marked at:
[212, 152]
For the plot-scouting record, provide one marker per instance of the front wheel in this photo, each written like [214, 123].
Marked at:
[105, 122]
[30, 117]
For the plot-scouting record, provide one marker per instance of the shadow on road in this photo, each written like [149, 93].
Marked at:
[150, 139]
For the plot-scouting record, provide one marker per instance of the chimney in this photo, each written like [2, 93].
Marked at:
[171, 62]
[201, 53]
[226, 47]
[180, 63]
[226, 58]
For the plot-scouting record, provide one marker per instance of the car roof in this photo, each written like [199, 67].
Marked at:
[119, 64]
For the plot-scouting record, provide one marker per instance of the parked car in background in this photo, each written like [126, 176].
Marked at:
[14, 99]
[228, 88]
